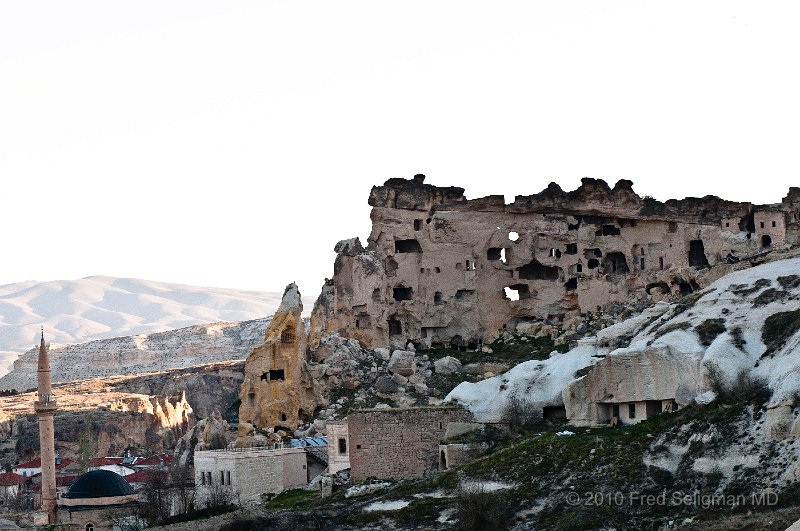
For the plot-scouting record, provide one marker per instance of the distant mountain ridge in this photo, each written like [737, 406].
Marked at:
[174, 349]
[99, 307]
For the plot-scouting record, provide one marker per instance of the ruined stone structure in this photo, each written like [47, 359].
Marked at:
[278, 390]
[398, 443]
[633, 386]
[443, 270]
[46, 407]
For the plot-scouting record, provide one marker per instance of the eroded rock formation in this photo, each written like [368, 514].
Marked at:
[443, 270]
[278, 391]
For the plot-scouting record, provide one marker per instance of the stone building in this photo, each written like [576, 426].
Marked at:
[399, 443]
[99, 500]
[338, 450]
[442, 270]
[247, 473]
[632, 387]
[278, 391]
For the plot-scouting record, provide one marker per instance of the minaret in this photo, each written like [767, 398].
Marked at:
[45, 407]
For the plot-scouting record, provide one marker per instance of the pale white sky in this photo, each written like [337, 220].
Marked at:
[232, 143]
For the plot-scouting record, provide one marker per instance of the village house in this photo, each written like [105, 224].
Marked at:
[10, 486]
[247, 473]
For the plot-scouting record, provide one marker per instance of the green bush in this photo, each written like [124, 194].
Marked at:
[480, 510]
[745, 388]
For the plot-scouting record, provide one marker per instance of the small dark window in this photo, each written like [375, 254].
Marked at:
[632, 411]
[572, 248]
[773, 224]
[395, 328]
[727, 223]
[342, 446]
[437, 297]
[494, 253]
[593, 263]
[358, 447]
[283, 417]
[251, 398]
[610, 230]
[417, 224]
[661, 262]
[762, 224]
[641, 262]
[276, 374]
[221, 477]
[578, 268]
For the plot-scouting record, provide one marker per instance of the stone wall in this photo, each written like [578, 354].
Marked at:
[398, 443]
[437, 266]
[337, 460]
[249, 473]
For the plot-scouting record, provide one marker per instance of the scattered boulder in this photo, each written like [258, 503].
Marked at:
[447, 365]
[403, 362]
[386, 384]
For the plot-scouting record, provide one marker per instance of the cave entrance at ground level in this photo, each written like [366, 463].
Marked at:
[697, 254]
[554, 413]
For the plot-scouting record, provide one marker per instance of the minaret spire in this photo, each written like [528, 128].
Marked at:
[46, 407]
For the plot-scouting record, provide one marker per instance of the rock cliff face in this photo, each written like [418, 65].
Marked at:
[151, 411]
[184, 347]
[278, 391]
[443, 270]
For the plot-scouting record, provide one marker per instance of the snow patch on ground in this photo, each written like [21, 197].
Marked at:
[393, 505]
[485, 486]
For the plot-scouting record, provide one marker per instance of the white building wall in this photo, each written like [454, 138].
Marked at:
[337, 460]
[248, 473]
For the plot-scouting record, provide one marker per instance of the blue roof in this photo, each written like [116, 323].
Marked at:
[309, 441]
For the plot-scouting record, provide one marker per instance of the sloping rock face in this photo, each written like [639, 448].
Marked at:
[278, 390]
[439, 269]
[208, 434]
[184, 347]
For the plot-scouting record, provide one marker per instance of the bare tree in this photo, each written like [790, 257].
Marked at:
[519, 413]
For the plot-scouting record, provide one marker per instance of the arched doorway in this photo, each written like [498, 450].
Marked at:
[442, 460]
[766, 241]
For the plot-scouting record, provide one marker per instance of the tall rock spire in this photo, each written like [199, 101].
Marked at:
[46, 407]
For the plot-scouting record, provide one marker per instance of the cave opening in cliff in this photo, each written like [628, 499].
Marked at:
[572, 248]
[516, 292]
[376, 295]
[571, 284]
[407, 246]
[493, 253]
[608, 230]
[362, 321]
[417, 224]
[402, 293]
[766, 241]
[593, 263]
[251, 398]
[535, 270]
[437, 297]
[391, 267]
[276, 375]
[395, 327]
[615, 263]
[697, 254]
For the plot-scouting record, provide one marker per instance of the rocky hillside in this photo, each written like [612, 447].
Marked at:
[76, 311]
[184, 347]
[748, 321]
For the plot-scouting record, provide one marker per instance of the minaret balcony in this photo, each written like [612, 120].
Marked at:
[49, 406]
